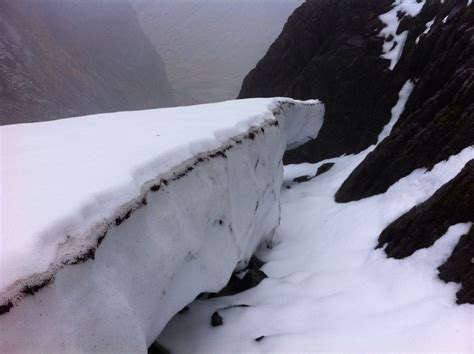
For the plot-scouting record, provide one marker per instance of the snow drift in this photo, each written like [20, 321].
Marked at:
[112, 223]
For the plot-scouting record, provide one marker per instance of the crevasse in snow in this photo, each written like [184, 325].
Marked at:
[112, 223]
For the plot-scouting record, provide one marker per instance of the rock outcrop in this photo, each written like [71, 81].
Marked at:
[425, 223]
[68, 58]
[421, 226]
[438, 120]
[459, 268]
[331, 50]
[324, 52]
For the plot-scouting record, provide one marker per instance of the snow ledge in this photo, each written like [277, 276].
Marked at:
[196, 222]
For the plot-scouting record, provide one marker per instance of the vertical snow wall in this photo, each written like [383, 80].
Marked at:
[184, 235]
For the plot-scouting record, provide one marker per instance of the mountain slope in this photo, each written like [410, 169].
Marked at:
[67, 58]
[333, 51]
[329, 288]
[439, 118]
[425, 223]
[430, 43]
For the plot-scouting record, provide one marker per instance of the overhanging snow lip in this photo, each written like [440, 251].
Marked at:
[86, 249]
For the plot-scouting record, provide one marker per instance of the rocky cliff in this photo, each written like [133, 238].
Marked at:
[439, 117]
[331, 50]
[355, 56]
[67, 58]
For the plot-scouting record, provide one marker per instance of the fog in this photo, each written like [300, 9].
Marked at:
[209, 46]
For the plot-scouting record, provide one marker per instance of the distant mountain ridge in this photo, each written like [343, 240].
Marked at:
[68, 58]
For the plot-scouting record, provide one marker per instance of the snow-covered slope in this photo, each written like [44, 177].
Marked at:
[328, 289]
[111, 223]
[209, 46]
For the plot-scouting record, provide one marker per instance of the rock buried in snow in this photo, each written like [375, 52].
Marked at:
[216, 320]
[183, 310]
[157, 348]
[425, 223]
[232, 287]
[459, 268]
[322, 169]
[252, 278]
[422, 225]
[302, 179]
[255, 263]
[258, 339]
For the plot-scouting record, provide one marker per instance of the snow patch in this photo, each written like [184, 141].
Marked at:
[427, 29]
[394, 43]
[397, 110]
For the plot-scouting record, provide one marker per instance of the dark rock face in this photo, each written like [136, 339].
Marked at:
[459, 268]
[325, 53]
[68, 58]
[438, 120]
[331, 50]
[425, 223]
